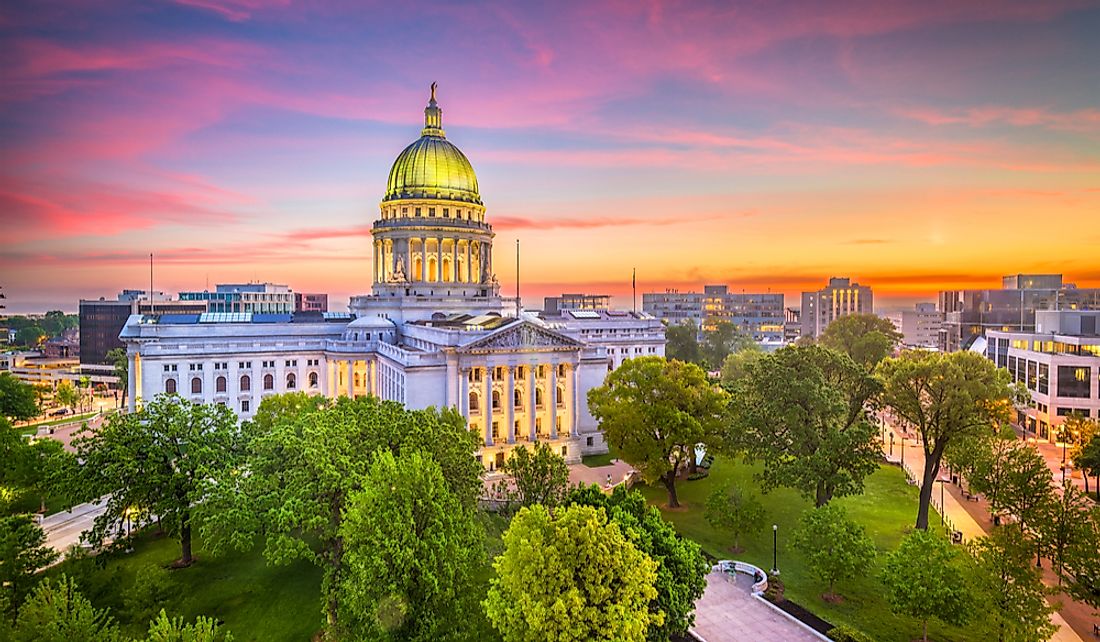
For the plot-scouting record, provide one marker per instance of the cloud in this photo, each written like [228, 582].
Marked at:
[1080, 120]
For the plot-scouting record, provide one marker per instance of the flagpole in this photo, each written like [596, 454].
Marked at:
[517, 279]
[634, 289]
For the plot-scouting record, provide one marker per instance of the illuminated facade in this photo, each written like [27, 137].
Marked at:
[840, 298]
[1058, 362]
[434, 330]
[759, 315]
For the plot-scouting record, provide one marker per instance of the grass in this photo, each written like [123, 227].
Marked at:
[595, 461]
[256, 601]
[30, 429]
[887, 509]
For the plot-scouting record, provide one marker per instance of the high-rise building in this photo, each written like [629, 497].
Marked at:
[1059, 363]
[310, 302]
[840, 298]
[101, 320]
[257, 298]
[969, 314]
[920, 327]
[759, 315]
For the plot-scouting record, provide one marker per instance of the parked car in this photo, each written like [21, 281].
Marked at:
[60, 412]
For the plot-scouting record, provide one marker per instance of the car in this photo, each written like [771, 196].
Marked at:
[60, 412]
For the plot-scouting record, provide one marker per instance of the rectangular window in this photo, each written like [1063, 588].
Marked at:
[244, 405]
[431, 211]
[417, 211]
[446, 213]
[1032, 375]
[1044, 378]
[1074, 381]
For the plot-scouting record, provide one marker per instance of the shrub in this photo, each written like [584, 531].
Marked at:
[845, 633]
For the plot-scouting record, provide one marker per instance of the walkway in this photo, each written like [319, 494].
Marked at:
[955, 513]
[728, 612]
[64, 529]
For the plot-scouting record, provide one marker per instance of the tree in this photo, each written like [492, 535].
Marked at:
[165, 629]
[654, 412]
[1014, 478]
[682, 342]
[1012, 585]
[729, 508]
[412, 553]
[682, 569]
[1084, 432]
[17, 399]
[803, 412]
[66, 394]
[30, 336]
[151, 588]
[925, 579]
[160, 460]
[1089, 462]
[23, 551]
[304, 456]
[57, 612]
[736, 365]
[1064, 526]
[539, 476]
[723, 340]
[836, 548]
[947, 397]
[570, 575]
[866, 338]
[117, 358]
[1080, 563]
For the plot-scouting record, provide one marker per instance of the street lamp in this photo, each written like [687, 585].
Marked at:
[943, 507]
[891, 444]
[775, 549]
[903, 451]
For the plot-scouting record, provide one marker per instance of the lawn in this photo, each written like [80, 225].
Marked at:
[31, 429]
[887, 509]
[256, 601]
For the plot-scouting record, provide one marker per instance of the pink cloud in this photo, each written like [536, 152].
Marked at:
[1081, 120]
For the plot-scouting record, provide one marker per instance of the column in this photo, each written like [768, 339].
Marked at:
[330, 384]
[408, 259]
[531, 411]
[454, 260]
[131, 383]
[574, 410]
[487, 404]
[509, 403]
[469, 253]
[439, 260]
[377, 261]
[464, 393]
[553, 414]
[351, 378]
[373, 377]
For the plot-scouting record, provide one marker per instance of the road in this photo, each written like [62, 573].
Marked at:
[64, 529]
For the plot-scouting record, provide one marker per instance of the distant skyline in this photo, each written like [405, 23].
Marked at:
[910, 146]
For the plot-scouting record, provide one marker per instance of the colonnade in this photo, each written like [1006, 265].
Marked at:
[352, 378]
[432, 259]
[534, 401]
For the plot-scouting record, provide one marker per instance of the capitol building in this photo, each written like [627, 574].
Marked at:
[434, 330]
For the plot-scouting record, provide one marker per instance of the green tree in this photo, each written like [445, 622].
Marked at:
[117, 358]
[539, 475]
[1012, 585]
[925, 578]
[836, 548]
[721, 341]
[1084, 432]
[570, 575]
[165, 629]
[66, 394]
[1064, 525]
[682, 571]
[160, 460]
[1088, 461]
[17, 399]
[57, 612]
[654, 412]
[1014, 478]
[304, 457]
[413, 550]
[803, 412]
[30, 336]
[736, 365]
[151, 588]
[682, 342]
[947, 397]
[23, 551]
[730, 508]
[866, 338]
[1080, 563]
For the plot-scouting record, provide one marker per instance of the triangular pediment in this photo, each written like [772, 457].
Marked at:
[520, 337]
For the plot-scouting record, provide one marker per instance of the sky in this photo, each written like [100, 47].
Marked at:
[911, 146]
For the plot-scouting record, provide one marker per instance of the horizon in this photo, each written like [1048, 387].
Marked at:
[912, 148]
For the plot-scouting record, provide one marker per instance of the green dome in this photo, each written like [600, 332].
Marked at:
[432, 167]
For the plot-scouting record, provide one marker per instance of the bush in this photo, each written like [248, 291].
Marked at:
[702, 473]
[152, 587]
[845, 633]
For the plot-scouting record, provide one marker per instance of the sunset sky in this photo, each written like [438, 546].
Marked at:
[912, 146]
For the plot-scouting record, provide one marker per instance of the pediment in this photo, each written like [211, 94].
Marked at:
[523, 336]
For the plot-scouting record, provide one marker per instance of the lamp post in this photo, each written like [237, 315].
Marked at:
[903, 451]
[891, 444]
[775, 549]
[943, 507]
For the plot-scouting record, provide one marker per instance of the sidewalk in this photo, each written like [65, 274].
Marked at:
[955, 513]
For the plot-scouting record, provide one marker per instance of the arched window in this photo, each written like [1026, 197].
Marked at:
[269, 382]
[496, 400]
[313, 380]
[538, 397]
[291, 382]
[561, 397]
[219, 384]
[473, 401]
[246, 382]
[196, 385]
[170, 386]
[517, 398]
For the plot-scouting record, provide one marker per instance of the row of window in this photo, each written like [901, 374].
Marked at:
[519, 373]
[517, 399]
[220, 383]
[242, 365]
[459, 214]
[1073, 381]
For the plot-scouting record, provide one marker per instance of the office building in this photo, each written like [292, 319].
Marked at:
[257, 298]
[840, 298]
[101, 320]
[920, 327]
[554, 305]
[310, 302]
[760, 316]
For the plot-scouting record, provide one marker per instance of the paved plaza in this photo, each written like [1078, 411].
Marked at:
[728, 612]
